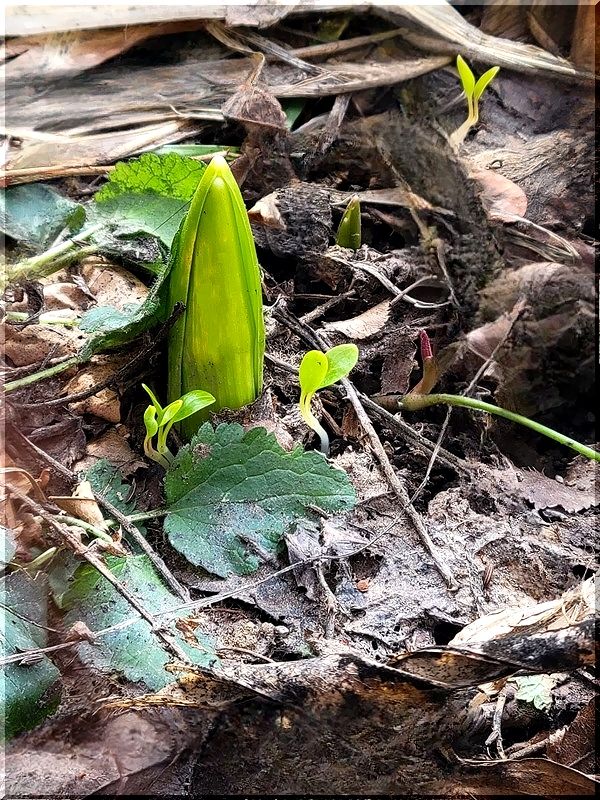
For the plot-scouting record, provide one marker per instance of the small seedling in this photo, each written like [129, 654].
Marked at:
[219, 341]
[473, 90]
[349, 232]
[159, 420]
[419, 398]
[319, 370]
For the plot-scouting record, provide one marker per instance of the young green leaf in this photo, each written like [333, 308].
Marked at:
[483, 82]
[155, 403]
[349, 230]
[313, 369]
[466, 76]
[341, 361]
[318, 370]
[192, 402]
[150, 422]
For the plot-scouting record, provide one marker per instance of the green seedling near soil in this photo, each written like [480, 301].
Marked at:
[419, 398]
[317, 371]
[473, 90]
[348, 232]
[159, 420]
[219, 341]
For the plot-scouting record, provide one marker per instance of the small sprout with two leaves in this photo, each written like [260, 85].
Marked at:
[473, 90]
[349, 232]
[159, 420]
[319, 370]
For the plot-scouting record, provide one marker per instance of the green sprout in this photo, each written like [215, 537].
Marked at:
[348, 232]
[317, 371]
[159, 420]
[473, 90]
[219, 341]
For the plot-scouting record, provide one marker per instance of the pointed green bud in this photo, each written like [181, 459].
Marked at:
[348, 233]
[218, 343]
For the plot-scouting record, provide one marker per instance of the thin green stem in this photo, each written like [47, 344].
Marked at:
[20, 383]
[415, 402]
[53, 259]
[87, 527]
[314, 423]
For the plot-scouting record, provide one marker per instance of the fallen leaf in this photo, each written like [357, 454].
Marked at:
[112, 446]
[364, 325]
[105, 403]
[83, 505]
[502, 199]
[111, 284]
[576, 747]
[34, 343]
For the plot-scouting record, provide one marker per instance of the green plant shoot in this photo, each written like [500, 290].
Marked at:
[159, 420]
[219, 341]
[349, 231]
[318, 370]
[473, 90]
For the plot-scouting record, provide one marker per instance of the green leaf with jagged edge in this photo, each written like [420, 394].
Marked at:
[230, 496]
[147, 195]
[35, 214]
[137, 214]
[27, 697]
[170, 175]
[107, 480]
[133, 651]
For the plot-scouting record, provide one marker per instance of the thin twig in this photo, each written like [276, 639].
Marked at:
[321, 342]
[74, 543]
[114, 512]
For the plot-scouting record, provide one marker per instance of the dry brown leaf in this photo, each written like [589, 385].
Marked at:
[105, 404]
[70, 52]
[32, 160]
[111, 284]
[34, 343]
[364, 325]
[576, 746]
[502, 199]
[544, 492]
[572, 607]
[83, 505]
[114, 447]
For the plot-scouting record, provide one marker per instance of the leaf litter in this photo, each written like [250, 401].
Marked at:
[511, 519]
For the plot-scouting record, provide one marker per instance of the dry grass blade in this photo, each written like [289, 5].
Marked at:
[448, 31]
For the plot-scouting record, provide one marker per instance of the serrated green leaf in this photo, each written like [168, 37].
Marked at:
[231, 495]
[26, 699]
[170, 175]
[133, 651]
[484, 80]
[341, 360]
[35, 214]
[466, 76]
[130, 214]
